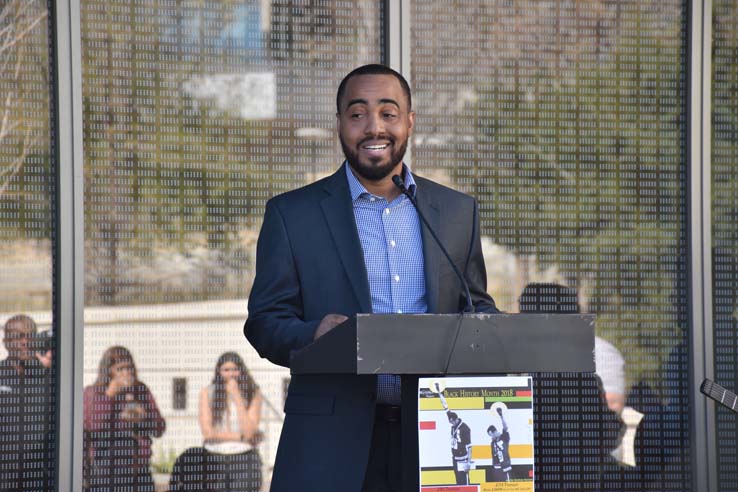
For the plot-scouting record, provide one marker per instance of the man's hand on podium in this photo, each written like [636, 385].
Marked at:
[329, 322]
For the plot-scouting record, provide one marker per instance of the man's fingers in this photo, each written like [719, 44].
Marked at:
[328, 322]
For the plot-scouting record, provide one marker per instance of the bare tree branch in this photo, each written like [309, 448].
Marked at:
[12, 41]
[19, 19]
[28, 143]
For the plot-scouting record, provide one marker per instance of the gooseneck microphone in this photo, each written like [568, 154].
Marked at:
[401, 185]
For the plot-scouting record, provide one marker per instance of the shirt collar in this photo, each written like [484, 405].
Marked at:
[357, 189]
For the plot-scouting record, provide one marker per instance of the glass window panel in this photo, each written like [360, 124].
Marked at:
[27, 187]
[566, 120]
[196, 113]
[725, 229]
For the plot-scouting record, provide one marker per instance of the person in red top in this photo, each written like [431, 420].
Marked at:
[120, 418]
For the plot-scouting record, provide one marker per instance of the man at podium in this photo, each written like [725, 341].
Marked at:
[355, 243]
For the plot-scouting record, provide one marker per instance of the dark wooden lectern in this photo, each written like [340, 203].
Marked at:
[428, 344]
[448, 344]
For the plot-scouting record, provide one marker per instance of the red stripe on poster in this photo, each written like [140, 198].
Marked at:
[428, 425]
[523, 393]
[530, 473]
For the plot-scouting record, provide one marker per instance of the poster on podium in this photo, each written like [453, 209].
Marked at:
[475, 434]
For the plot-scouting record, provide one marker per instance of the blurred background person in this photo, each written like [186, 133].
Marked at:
[120, 418]
[27, 409]
[230, 411]
[594, 430]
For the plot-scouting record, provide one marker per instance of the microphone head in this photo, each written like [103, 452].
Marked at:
[397, 180]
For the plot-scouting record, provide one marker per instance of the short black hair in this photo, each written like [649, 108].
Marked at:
[491, 428]
[452, 416]
[373, 69]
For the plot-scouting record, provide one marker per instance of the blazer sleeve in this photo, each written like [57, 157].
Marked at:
[476, 273]
[275, 325]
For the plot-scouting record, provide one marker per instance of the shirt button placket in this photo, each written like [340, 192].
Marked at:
[387, 225]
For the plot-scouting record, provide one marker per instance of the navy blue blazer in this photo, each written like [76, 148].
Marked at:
[309, 263]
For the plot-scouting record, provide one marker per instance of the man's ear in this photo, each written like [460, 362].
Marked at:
[411, 117]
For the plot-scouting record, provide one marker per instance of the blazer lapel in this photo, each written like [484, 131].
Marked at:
[339, 215]
[431, 254]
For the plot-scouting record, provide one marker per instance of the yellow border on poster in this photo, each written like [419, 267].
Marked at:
[506, 487]
[472, 403]
[516, 451]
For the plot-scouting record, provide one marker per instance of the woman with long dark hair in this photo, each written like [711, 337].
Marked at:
[230, 411]
[120, 418]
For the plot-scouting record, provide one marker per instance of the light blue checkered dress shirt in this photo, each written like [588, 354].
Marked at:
[393, 254]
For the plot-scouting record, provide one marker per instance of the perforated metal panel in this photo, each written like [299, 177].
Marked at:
[196, 113]
[725, 229]
[566, 120]
[27, 244]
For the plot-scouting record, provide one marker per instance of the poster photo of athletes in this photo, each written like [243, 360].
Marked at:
[476, 434]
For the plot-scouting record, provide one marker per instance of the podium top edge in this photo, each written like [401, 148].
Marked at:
[481, 315]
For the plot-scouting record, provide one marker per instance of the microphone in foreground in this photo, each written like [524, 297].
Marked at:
[397, 180]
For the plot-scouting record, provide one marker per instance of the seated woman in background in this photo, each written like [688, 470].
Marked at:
[120, 418]
[230, 411]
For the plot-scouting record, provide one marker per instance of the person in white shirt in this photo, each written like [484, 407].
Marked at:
[230, 411]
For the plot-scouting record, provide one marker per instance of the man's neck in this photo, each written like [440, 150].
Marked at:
[383, 187]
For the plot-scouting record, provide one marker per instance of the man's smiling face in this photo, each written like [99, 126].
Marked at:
[374, 124]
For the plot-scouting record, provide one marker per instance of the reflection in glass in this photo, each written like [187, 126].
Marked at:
[229, 415]
[724, 188]
[120, 419]
[27, 408]
[195, 114]
[27, 395]
[567, 122]
[26, 172]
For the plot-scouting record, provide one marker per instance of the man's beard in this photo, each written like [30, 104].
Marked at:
[373, 172]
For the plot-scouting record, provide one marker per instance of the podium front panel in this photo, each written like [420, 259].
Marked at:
[516, 343]
[452, 344]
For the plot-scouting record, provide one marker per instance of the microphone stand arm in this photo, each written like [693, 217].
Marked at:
[398, 182]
